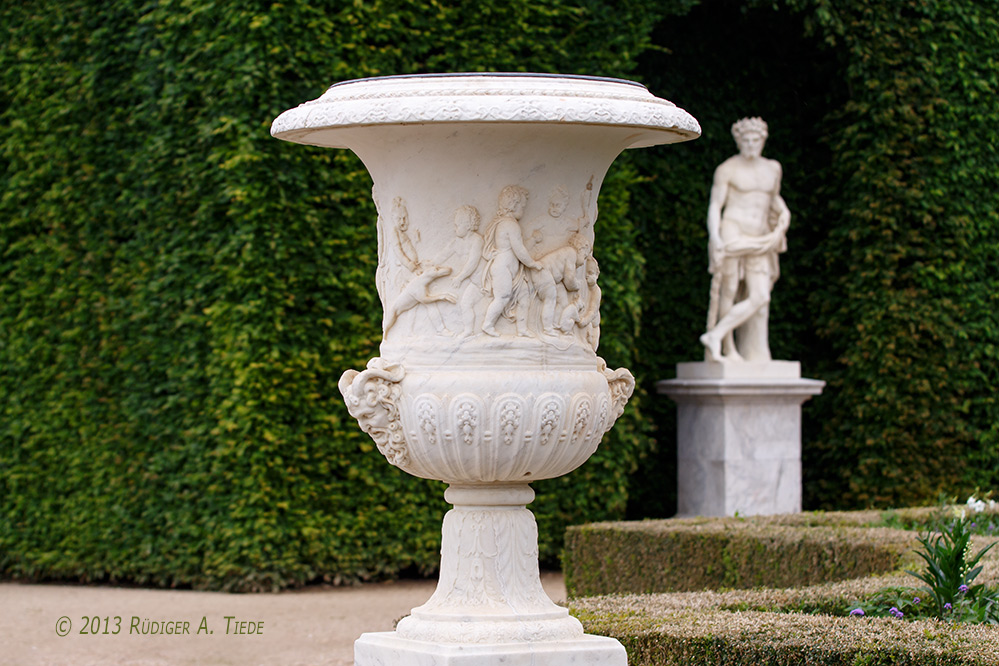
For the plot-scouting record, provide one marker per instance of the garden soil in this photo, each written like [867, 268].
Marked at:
[315, 626]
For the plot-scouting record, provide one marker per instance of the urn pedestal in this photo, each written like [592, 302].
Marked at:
[739, 436]
[488, 377]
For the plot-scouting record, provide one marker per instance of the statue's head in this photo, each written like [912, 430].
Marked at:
[750, 134]
[512, 201]
[592, 271]
[582, 247]
[466, 220]
[399, 213]
[558, 201]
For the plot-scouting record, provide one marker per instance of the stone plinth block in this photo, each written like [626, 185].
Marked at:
[739, 436]
[381, 649]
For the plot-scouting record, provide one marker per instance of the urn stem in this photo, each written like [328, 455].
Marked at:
[489, 588]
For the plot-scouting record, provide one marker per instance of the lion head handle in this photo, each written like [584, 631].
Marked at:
[372, 397]
[622, 385]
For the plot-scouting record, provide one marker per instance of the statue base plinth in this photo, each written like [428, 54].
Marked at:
[739, 436]
[739, 370]
[378, 649]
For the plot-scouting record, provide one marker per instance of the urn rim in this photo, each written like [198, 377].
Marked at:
[487, 98]
[499, 75]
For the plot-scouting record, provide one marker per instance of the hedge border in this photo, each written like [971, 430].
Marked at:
[701, 553]
[788, 626]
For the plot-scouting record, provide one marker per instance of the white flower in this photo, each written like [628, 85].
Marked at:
[976, 505]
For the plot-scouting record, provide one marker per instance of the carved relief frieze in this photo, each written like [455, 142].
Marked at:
[463, 433]
[502, 282]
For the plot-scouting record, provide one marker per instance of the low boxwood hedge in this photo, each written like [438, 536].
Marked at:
[702, 553]
[752, 638]
[774, 623]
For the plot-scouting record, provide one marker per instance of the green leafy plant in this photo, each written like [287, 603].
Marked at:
[898, 602]
[950, 573]
[950, 593]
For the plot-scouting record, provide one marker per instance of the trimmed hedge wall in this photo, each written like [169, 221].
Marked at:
[179, 292]
[640, 557]
[751, 638]
[781, 622]
[911, 307]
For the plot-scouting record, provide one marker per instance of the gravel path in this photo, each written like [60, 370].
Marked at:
[314, 626]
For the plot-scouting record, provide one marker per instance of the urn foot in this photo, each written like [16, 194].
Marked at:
[384, 648]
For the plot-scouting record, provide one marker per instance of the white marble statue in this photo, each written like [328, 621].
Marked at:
[747, 223]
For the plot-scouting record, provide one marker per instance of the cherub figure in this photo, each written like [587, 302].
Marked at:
[585, 312]
[466, 246]
[558, 267]
[506, 257]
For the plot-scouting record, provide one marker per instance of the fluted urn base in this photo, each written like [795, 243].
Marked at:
[489, 606]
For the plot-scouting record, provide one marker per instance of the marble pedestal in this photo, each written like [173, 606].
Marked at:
[739, 436]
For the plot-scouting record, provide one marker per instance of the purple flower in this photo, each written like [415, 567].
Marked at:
[857, 611]
[915, 601]
[963, 588]
[947, 606]
[895, 612]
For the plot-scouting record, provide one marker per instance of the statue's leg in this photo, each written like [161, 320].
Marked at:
[739, 313]
[469, 298]
[752, 334]
[502, 293]
[718, 338]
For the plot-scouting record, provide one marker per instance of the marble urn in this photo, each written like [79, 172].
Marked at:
[488, 377]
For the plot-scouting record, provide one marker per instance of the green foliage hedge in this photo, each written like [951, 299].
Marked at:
[751, 638]
[884, 116]
[911, 309]
[180, 292]
[639, 557]
[798, 624]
